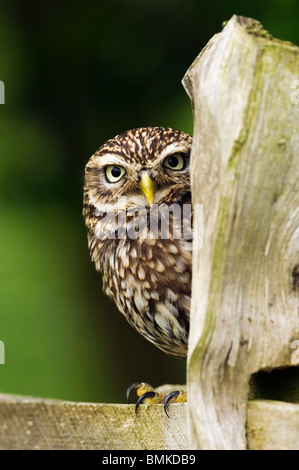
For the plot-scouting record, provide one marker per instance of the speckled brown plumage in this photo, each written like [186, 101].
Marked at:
[148, 278]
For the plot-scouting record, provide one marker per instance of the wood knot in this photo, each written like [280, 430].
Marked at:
[295, 278]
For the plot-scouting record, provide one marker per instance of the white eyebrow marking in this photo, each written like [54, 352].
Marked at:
[111, 159]
[176, 147]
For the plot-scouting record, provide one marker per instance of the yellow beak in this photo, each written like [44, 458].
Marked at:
[147, 187]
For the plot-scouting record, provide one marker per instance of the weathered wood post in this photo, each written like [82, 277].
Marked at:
[245, 172]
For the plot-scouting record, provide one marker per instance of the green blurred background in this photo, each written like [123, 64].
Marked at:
[75, 74]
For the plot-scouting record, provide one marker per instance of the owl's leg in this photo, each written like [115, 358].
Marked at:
[163, 394]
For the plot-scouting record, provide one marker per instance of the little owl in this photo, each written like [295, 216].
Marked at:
[136, 200]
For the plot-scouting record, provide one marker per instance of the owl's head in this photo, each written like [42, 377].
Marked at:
[142, 166]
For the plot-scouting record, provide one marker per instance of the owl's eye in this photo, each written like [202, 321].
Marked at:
[174, 162]
[114, 173]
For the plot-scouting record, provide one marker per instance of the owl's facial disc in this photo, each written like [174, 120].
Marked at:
[147, 186]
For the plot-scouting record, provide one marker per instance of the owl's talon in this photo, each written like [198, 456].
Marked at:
[169, 397]
[149, 395]
[140, 387]
[131, 387]
[146, 393]
[180, 396]
[144, 397]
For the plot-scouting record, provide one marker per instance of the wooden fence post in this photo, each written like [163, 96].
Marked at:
[245, 172]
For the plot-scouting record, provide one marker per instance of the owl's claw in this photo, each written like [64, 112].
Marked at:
[146, 394]
[143, 397]
[170, 397]
[132, 387]
[149, 395]
[141, 388]
[180, 396]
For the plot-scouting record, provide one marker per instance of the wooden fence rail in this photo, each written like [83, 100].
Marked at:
[32, 423]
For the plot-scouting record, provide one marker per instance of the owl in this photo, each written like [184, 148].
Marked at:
[137, 211]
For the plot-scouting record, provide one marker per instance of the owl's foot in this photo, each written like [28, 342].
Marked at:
[149, 395]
